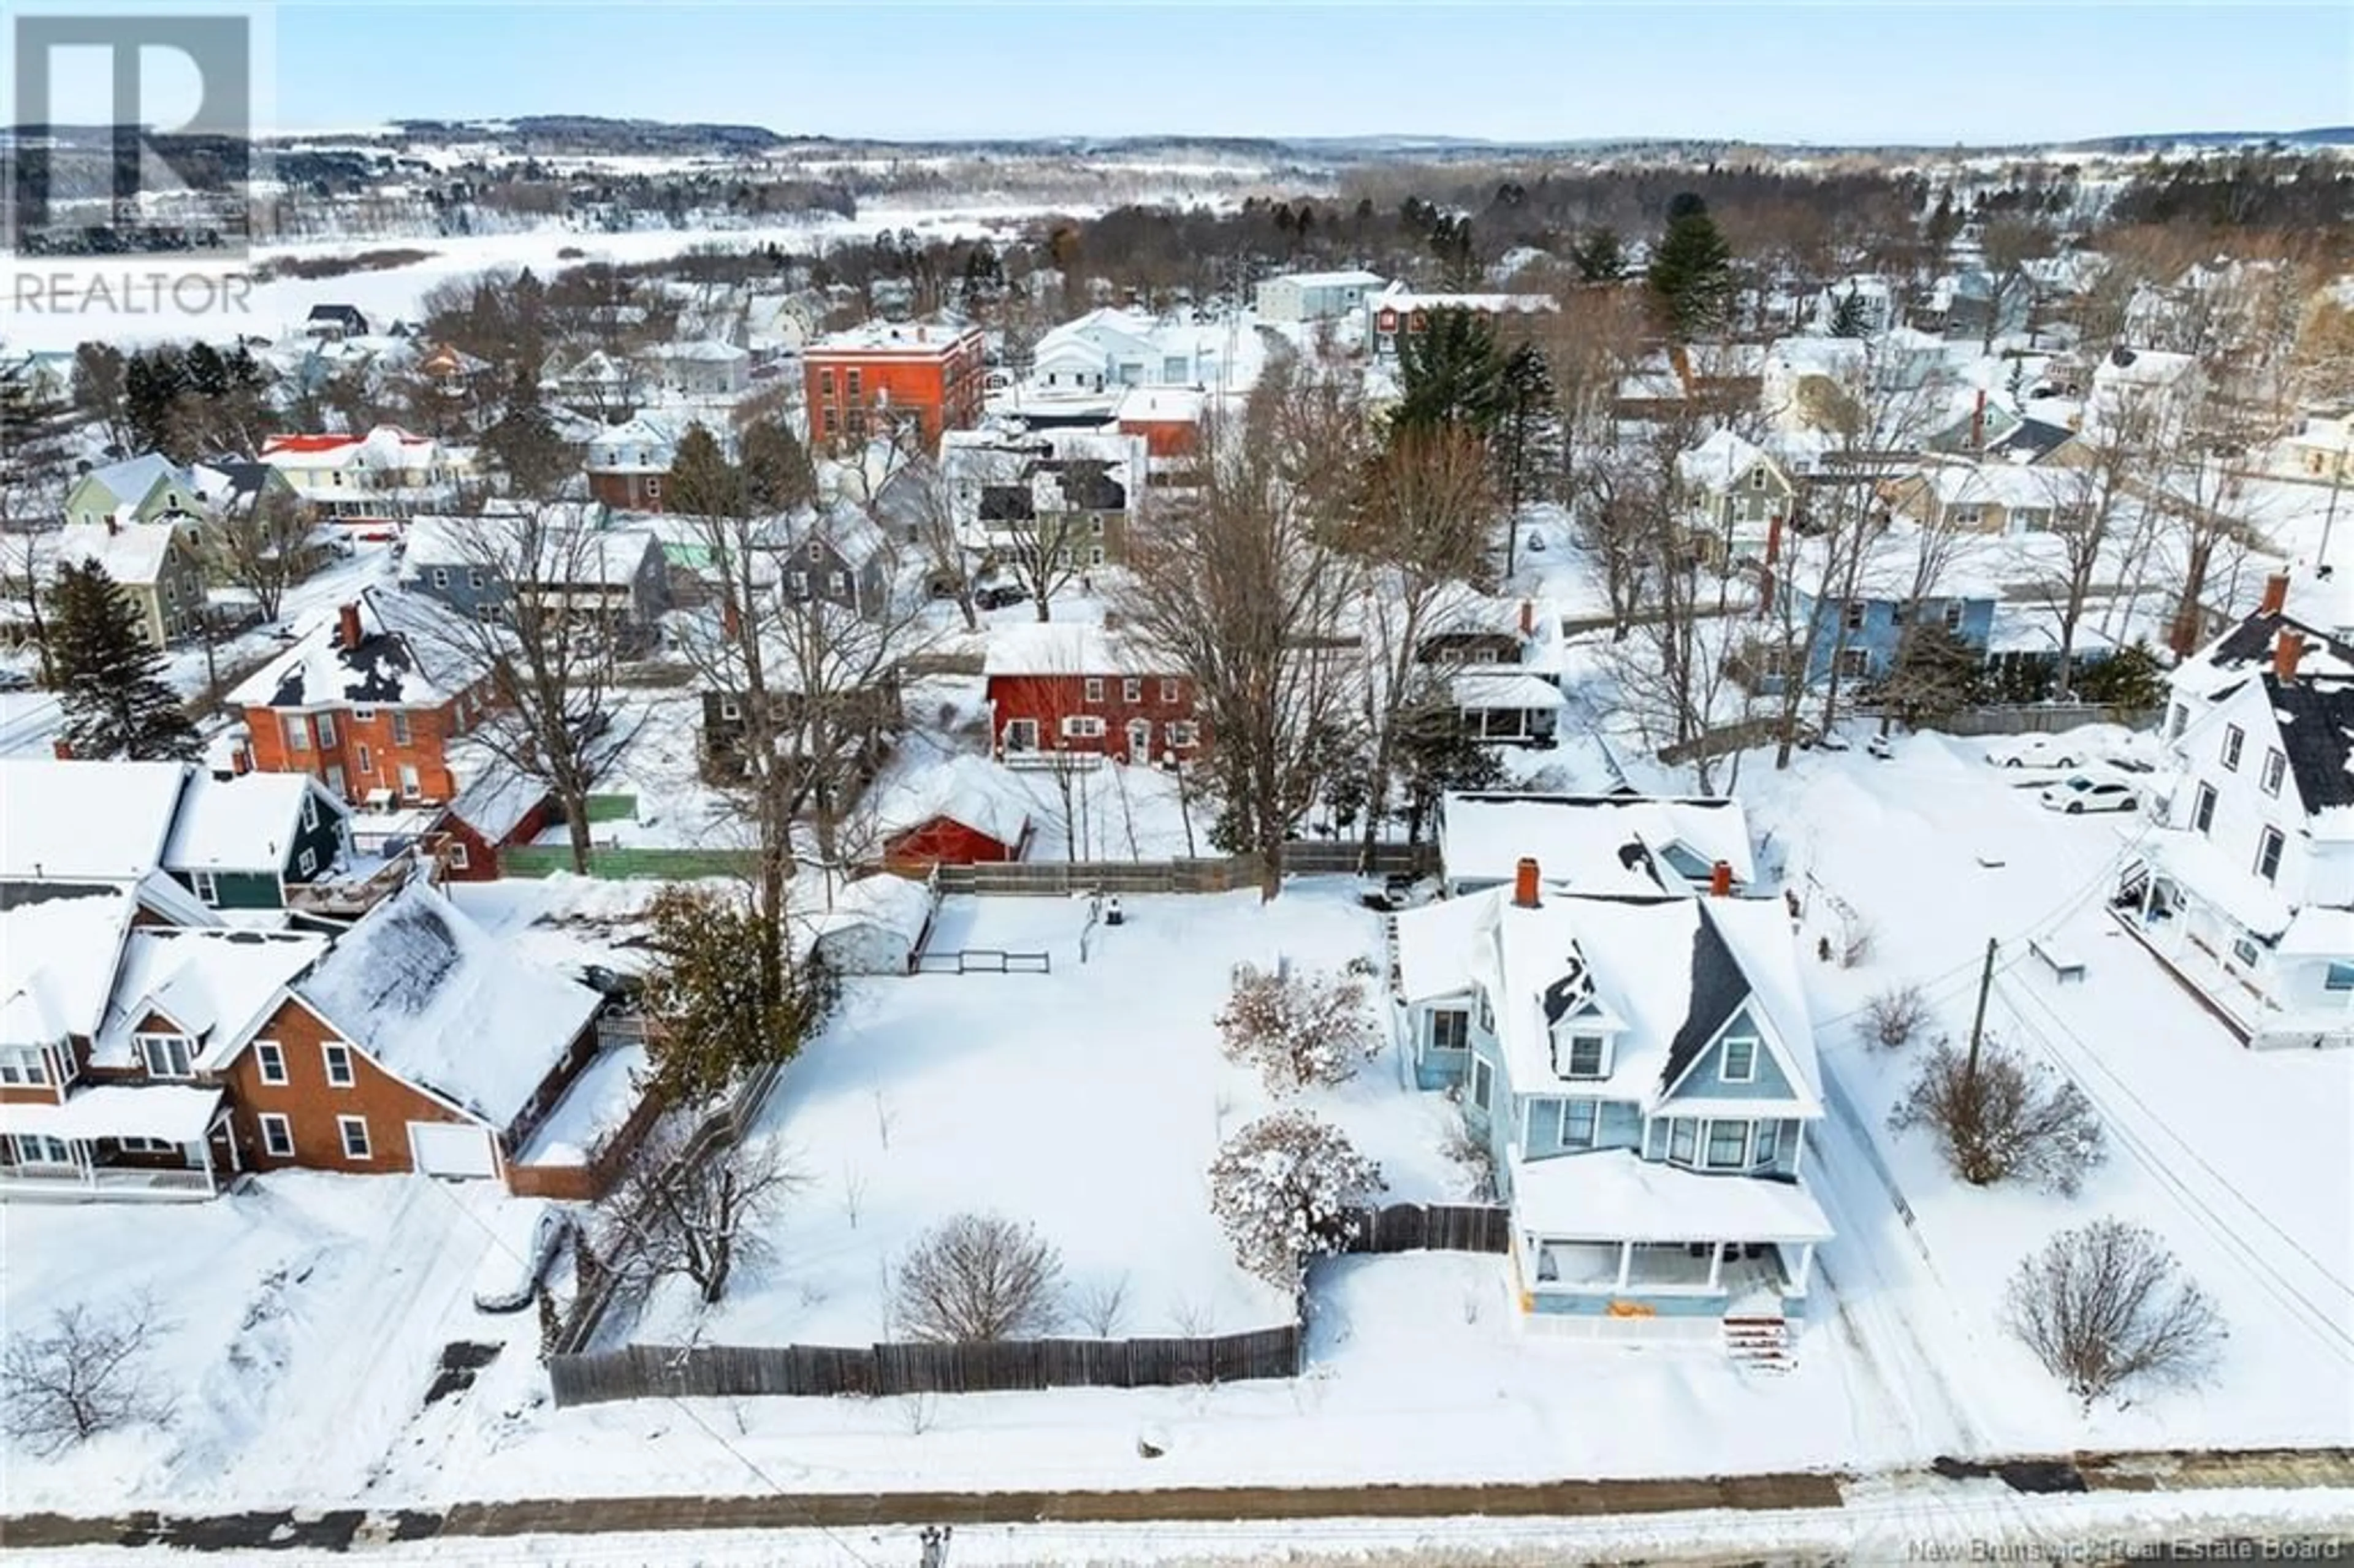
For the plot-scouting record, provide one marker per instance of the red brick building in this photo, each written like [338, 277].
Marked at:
[1055, 687]
[369, 702]
[863, 383]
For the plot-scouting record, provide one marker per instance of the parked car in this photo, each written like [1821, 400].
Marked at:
[1880, 747]
[998, 595]
[526, 1234]
[2079, 793]
[15, 681]
[2036, 751]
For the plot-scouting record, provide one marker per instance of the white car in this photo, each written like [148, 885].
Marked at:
[525, 1235]
[2079, 793]
[2037, 751]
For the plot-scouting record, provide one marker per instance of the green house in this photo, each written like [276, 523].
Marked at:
[239, 842]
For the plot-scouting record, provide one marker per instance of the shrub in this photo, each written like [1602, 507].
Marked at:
[86, 1374]
[1287, 1187]
[1892, 1018]
[979, 1277]
[1297, 1030]
[2006, 1119]
[2106, 1305]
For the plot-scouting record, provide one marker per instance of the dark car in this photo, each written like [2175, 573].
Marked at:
[999, 596]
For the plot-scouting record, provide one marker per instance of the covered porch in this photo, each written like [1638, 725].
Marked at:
[1610, 1235]
[119, 1141]
[1500, 703]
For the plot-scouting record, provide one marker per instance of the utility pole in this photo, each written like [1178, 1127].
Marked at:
[1977, 1023]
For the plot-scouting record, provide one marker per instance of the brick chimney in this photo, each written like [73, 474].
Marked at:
[1978, 422]
[1528, 618]
[1524, 884]
[1774, 539]
[1720, 880]
[2287, 649]
[61, 748]
[2275, 597]
[240, 761]
[731, 621]
[351, 625]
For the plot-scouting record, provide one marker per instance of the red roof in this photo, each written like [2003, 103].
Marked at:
[306, 443]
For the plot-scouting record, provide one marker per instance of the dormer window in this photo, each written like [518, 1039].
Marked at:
[1583, 1054]
[165, 1055]
[1739, 1061]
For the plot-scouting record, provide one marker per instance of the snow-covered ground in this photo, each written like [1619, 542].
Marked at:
[1087, 1101]
[76, 312]
[2236, 1159]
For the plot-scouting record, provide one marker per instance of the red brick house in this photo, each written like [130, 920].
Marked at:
[368, 702]
[1059, 688]
[864, 383]
[966, 811]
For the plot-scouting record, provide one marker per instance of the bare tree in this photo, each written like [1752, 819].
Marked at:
[1892, 1017]
[552, 647]
[1102, 1305]
[2008, 245]
[1423, 528]
[2106, 1305]
[699, 1216]
[1029, 508]
[921, 502]
[86, 1373]
[261, 546]
[977, 1277]
[1234, 583]
[2092, 494]
[1998, 1118]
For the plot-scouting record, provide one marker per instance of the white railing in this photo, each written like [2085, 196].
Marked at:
[71, 1184]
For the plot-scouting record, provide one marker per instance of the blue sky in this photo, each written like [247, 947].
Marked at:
[1811, 73]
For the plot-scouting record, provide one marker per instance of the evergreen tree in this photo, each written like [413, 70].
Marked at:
[1691, 271]
[2130, 678]
[523, 444]
[98, 391]
[1451, 374]
[1847, 315]
[1599, 258]
[1435, 756]
[1936, 675]
[703, 482]
[109, 679]
[152, 384]
[778, 475]
[1527, 439]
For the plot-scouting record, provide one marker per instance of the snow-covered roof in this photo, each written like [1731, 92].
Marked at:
[176, 1113]
[1162, 405]
[2005, 484]
[1067, 647]
[703, 351]
[1594, 843]
[572, 549]
[433, 998]
[215, 984]
[1663, 975]
[971, 790]
[244, 823]
[1401, 296]
[1614, 1196]
[132, 553]
[2143, 367]
[915, 340]
[1356, 277]
[57, 947]
[895, 903]
[386, 447]
[497, 799]
[413, 653]
[2221, 880]
[129, 480]
[85, 821]
[1500, 689]
[1720, 460]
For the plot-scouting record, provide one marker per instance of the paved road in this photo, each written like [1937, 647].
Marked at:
[338, 1529]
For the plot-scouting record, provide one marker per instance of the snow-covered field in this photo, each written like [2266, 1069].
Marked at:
[74, 312]
[1087, 1101]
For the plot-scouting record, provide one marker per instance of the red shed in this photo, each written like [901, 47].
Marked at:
[498, 810]
[965, 812]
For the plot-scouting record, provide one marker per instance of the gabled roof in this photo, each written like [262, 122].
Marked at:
[1662, 975]
[245, 823]
[496, 802]
[129, 480]
[215, 984]
[2316, 728]
[59, 941]
[1595, 843]
[432, 998]
[970, 790]
[412, 652]
[2030, 441]
[85, 821]
[132, 553]
[1068, 647]
[2249, 646]
[573, 550]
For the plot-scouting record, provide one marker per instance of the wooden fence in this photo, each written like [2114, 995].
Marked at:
[2032, 718]
[642, 1372]
[1432, 1227]
[626, 864]
[985, 962]
[1200, 875]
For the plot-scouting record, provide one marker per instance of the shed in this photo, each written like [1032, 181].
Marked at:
[966, 812]
[876, 927]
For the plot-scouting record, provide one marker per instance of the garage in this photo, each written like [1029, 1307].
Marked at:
[452, 1149]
